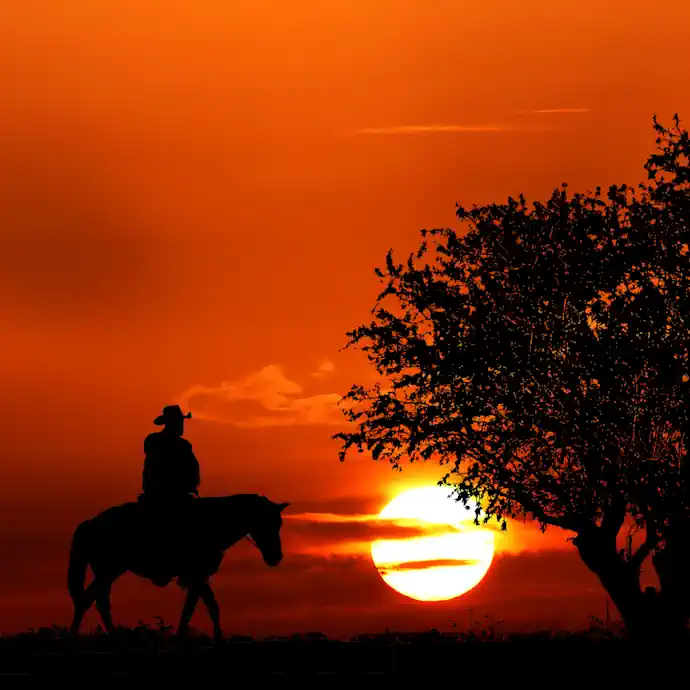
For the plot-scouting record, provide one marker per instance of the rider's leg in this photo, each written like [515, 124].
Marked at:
[159, 536]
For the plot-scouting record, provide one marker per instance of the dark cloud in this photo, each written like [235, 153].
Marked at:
[322, 530]
[423, 565]
[304, 582]
[345, 505]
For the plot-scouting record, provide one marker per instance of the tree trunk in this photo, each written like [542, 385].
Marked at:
[649, 616]
[672, 565]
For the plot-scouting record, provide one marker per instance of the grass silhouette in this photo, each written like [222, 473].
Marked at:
[151, 653]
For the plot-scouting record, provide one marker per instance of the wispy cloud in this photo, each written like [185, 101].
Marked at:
[559, 111]
[342, 524]
[328, 528]
[262, 398]
[343, 506]
[423, 565]
[326, 367]
[436, 129]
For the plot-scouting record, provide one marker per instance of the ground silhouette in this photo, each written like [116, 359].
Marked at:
[542, 358]
[152, 656]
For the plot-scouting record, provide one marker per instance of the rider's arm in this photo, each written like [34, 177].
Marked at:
[195, 471]
[146, 477]
[193, 468]
[148, 446]
[146, 474]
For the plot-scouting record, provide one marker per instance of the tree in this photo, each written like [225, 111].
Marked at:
[542, 359]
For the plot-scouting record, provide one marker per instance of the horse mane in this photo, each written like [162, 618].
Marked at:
[239, 504]
[240, 499]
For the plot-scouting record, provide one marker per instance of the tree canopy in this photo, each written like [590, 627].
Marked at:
[541, 356]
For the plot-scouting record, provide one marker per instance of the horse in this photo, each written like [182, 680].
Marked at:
[117, 541]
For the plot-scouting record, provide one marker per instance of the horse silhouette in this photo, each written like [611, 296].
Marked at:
[117, 541]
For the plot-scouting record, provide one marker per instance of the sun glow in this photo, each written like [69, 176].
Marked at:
[433, 568]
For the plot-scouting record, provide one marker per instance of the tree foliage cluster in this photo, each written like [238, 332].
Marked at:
[541, 357]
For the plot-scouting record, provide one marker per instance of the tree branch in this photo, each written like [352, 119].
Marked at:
[523, 498]
[564, 522]
[614, 517]
[650, 542]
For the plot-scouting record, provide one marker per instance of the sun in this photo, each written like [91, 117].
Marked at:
[439, 567]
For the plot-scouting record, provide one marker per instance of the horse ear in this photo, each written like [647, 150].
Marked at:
[282, 506]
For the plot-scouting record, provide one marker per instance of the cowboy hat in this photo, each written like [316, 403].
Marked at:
[170, 413]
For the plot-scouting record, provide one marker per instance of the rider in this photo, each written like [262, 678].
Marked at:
[171, 470]
[170, 479]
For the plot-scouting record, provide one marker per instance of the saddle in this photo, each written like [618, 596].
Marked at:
[168, 515]
[165, 527]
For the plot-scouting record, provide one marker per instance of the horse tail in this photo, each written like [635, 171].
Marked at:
[78, 562]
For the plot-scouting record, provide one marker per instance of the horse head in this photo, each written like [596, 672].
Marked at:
[266, 532]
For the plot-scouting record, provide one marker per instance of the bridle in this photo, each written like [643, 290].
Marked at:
[251, 541]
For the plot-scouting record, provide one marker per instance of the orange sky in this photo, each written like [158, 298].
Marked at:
[193, 197]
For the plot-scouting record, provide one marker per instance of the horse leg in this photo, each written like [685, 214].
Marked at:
[209, 600]
[103, 603]
[81, 606]
[190, 603]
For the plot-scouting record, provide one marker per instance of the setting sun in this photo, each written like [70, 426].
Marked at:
[433, 568]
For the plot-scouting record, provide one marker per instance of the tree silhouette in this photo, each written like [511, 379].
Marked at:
[542, 359]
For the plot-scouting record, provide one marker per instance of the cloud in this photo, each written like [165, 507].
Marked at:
[341, 506]
[423, 565]
[262, 399]
[326, 367]
[435, 129]
[559, 111]
[348, 524]
[303, 581]
[321, 529]
[311, 533]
